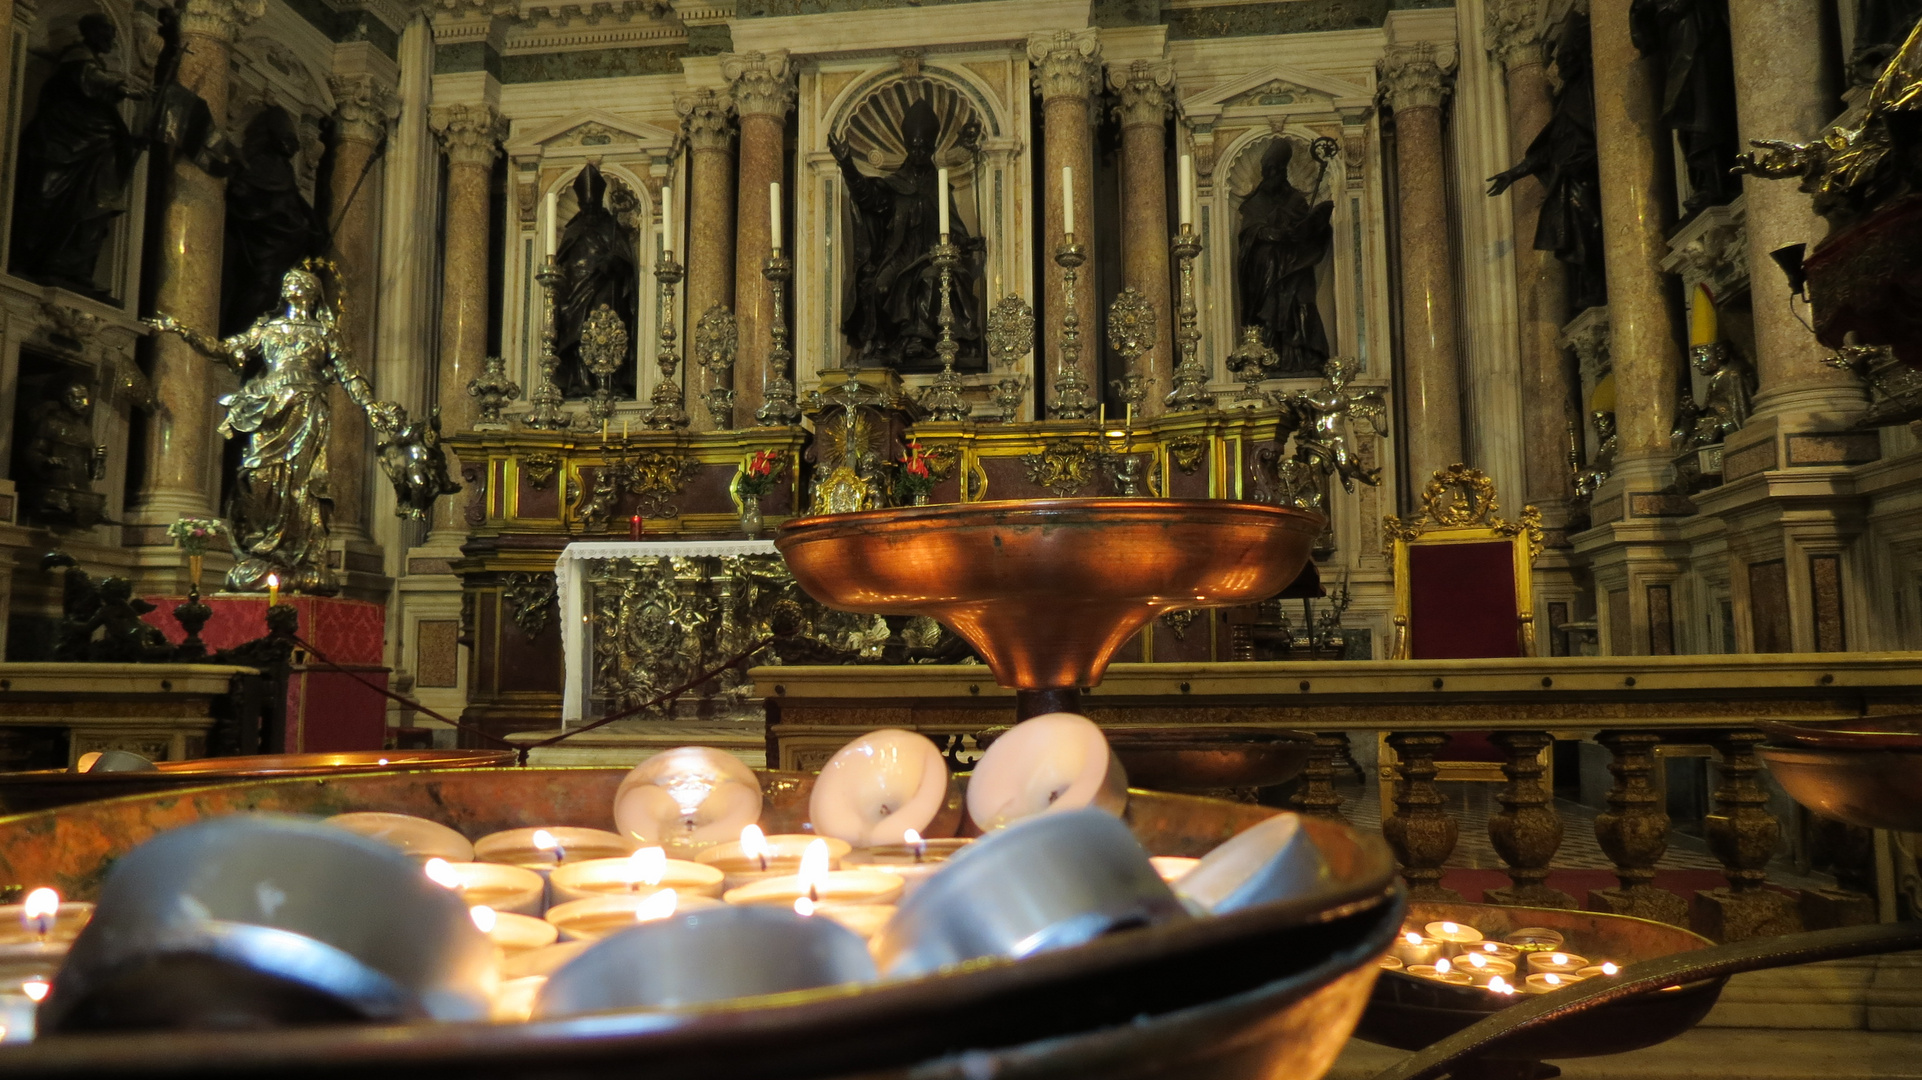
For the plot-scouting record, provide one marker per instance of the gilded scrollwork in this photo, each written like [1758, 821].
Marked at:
[656, 477]
[539, 469]
[529, 599]
[1187, 452]
[1459, 497]
[1064, 466]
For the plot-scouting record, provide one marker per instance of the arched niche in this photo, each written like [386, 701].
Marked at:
[1235, 179]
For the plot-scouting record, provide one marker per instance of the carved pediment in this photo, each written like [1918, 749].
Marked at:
[594, 131]
[1280, 85]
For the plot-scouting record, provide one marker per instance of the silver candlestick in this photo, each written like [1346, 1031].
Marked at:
[1191, 379]
[779, 407]
[1010, 337]
[603, 352]
[943, 399]
[1131, 332]
[1071, 400]
[546, 415]
[669, 401]
[715, 340]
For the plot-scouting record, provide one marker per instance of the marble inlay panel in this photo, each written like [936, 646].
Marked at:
[1825, 590]
[1768, 602]
[595, 64]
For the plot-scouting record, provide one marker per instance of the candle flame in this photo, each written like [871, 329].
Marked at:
[1552, 979]
[1500, 985]
[1491, 946]
[1450, 928]
[754, 843]
[814, 864]
[484, 917]
[273, 581]
[1558, 958]
[1477, 960]
[658, 906]
[35, 989]
[41, 903]
[803, 906]
[442, 873]
[910, 837]
[545, 840]
[1608, 968]
[1443, 967]
[647, 866]
[1412, 938]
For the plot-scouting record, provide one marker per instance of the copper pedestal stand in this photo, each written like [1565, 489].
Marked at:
[1047, 590]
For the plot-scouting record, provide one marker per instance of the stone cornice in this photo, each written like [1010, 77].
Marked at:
[760, 84]
[706, 118]
[469, 134]
[1145, 89]
[1066, 63]
[1416, 74]
[364, 105]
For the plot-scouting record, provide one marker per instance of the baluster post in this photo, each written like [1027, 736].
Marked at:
[1743, 835]
[1634, 833]
[1527, 831]
[1317, 795]
[1421, 832]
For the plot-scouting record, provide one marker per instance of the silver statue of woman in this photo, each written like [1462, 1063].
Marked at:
[282, 501]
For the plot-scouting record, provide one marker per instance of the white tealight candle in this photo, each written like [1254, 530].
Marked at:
[1048, 764]
[1173, 868]
[1067, 200]
[493, 885]
[1414, 948]
[774, 217]
[1543, 982]
[756, 856]
[1454, 936]
[1605, 968]
[552, 216]
[646, 871]
[513, 933]
[878, 787]
[941, 185]
[414, 836]
[1557, 963]
[815, 884]
[544, 849]
[598, 916]
[1484, 970]
[1441, 972]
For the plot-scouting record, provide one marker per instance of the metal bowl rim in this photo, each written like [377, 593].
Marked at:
[1012, 512]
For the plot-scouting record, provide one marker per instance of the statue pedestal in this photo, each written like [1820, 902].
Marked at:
[326, 710]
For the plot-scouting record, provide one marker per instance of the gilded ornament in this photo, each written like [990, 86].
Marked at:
[656, 477]
[603, 350]
[1131, 332]
[1187, 452]
[1178, 621]
[493, 390]
[1064, 466]
[530, 599]
[716, 341]
[1459, 497]
[539, 469]
[1010, 337]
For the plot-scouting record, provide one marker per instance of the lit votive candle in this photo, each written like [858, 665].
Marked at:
[1483, 969]
[1556, 963]
[598, 916]
[494, 885]
[755, 856]
[1544, 982]
[646, 871]
[1497, 950]
[911, 860]
[1605, 968]
[1392, 963]
[1535, 939]
[1442, 972]
[816, 884]
[864, 919]
[414, 836]
[42, 921]
[1502, 987]
[514, 1001]
[1453, 936]
[1173, 868]
[513, 933]
[544, 849]
[1413, 948]
[542, 962]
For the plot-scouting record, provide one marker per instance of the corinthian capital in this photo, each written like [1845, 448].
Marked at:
[365, 105]
[706, 117]
[1415, 75]
[1066, 63]
[1146, 89]
[761, 84]
[470, 134]
[1512, 32]
[219, 18]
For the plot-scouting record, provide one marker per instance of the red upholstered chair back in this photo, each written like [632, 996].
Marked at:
[1461, 601]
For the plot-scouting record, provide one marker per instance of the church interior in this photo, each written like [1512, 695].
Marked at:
[962, 538]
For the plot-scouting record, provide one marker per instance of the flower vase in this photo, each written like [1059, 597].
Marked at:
[920, 498]
[193, 576]
[751, 517]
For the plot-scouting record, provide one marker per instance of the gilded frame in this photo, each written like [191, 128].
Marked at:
[1458, 507]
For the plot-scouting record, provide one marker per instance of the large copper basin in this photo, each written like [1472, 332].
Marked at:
[42, 789]
[1047, 590]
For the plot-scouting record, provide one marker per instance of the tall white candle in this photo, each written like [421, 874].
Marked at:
[1067, 199]
[1187, 185]
[553, 215]
[941, 181]
[774, 216]
[667, 220]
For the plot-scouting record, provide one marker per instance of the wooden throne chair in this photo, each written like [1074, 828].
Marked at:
[1463, 590]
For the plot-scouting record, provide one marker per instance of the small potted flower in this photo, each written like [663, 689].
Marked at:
[757, 477]
[917, 474]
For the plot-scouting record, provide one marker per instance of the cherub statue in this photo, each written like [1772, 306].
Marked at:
[1322, 423]
[1607, 444]
[415, 464]
[282, 500]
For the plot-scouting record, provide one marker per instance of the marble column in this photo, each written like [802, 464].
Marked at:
[1779, 53]
[1066, 66]
[1146, 94]
[1637, 196]
[707, 122]
[363, 106]
[470, 135]
[1550, 384]
[181, 459]
[762, 86]
[1414, 80]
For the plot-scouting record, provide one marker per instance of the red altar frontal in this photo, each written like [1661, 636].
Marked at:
[327, 709]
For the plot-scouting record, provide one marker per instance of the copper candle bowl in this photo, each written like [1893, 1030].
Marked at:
[1865, 772]
[1046, 590]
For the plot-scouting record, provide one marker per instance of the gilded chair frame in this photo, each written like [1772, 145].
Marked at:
[1458, 507]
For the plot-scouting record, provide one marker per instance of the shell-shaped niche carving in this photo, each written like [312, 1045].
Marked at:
[1303, 169]
[873, 128]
